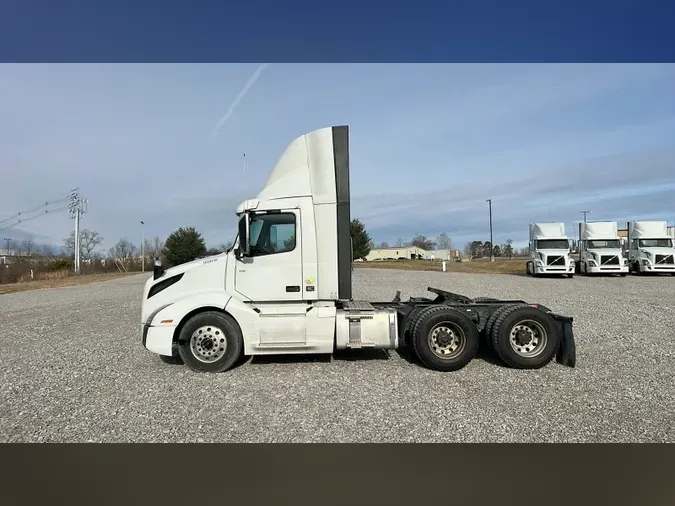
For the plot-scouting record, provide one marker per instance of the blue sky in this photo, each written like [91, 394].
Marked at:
[429, 143]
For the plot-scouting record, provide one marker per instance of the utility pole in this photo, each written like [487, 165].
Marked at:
[78, 206]
[7, 241]
[142, 248]
[585, 213]
[492, 246]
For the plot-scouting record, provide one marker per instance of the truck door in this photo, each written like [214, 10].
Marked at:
[273, 272]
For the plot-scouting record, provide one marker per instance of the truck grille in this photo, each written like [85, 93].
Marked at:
[555, 260]
[609, 260]
[665, 259]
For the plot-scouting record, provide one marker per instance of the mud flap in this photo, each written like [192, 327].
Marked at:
[567, 353]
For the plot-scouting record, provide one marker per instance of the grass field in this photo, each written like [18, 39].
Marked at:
[477, 266]
[58, 281]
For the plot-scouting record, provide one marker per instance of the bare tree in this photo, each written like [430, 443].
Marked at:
[46, 250]
[401, 243]
[444, 241]
[28, 246]
[153, 248]
[422, 242]
[123, 251]
[89, 241]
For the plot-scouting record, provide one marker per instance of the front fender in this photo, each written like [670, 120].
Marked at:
[178, 310]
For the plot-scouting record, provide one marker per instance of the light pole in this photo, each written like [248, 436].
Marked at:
[142, 248]
[585, 213]
[492, 246]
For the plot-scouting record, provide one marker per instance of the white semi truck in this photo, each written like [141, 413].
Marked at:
[285, 287]
[549, 250]
[650, 247]
[600, 249]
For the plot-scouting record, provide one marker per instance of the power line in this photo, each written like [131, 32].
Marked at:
[39, 215]
[41, 209]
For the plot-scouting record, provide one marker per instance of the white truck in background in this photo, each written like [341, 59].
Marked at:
[285, 287]
[650, 247]
[600, 250]
[549, 250]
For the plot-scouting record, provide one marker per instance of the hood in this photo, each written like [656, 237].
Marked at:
[177, 269]
[606, 251]
[553, 252]
[659, 251]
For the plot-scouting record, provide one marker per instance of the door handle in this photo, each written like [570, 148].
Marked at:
[293, 288]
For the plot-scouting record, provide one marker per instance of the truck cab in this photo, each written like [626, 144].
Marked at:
[600, 250]
[650, 247]
[549, 250]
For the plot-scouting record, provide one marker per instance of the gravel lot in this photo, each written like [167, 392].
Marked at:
[72, 369]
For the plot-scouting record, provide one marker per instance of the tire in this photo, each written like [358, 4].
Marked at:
[175, 360]
[198, 352]
[570, 276]
[430, 333]
[486, 334]
[530, 317]
[623, 274]
[529, 268]
[410, 323]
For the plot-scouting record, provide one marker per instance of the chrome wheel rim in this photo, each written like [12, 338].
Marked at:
[446, 340]
[528, 338]
[208, 343]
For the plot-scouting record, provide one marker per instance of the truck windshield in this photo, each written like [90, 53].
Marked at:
[604, 243]
[656, 243]
[553, 244]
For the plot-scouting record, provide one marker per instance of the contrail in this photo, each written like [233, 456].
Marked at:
[241, 95]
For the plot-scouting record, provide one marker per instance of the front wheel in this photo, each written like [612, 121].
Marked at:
[210, 342]
[444, 339]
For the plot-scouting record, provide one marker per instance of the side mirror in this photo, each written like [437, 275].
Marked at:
[243, 249]
[158, 270]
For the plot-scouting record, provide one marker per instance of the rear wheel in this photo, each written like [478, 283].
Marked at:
[210, 342]
[444, 339]
[525, 338]
[486, 334]
[410, 324]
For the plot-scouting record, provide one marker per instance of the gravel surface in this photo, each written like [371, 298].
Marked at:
[72, 369]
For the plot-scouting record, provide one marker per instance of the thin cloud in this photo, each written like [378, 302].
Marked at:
[240, 96]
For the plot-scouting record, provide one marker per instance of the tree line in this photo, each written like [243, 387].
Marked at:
[187, 244]
[363, 244]
[35, 261]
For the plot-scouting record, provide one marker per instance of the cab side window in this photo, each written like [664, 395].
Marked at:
[272, 233]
